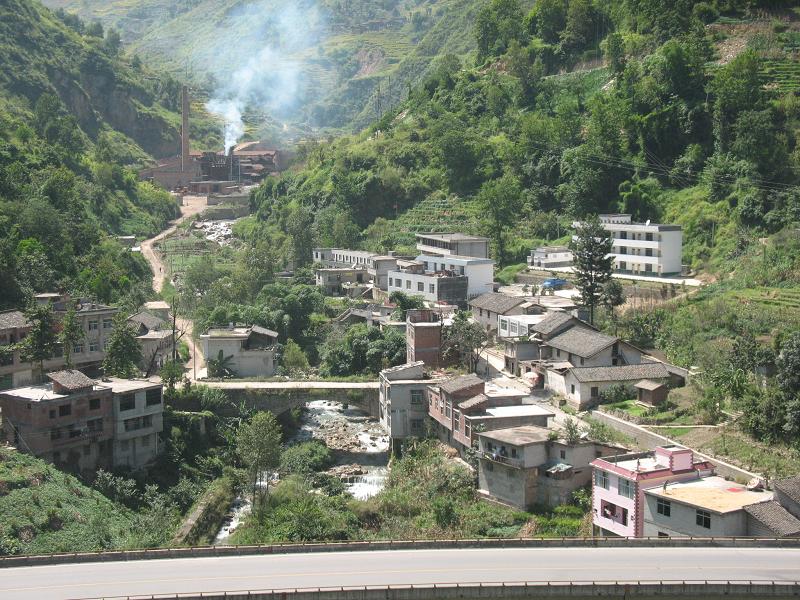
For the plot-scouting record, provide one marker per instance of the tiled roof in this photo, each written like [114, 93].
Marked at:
[551, 322]
[148, 321]
[473, 402]
[647, 384]
[264, 331]
[12, 319]
[789, 486]
[581, 341]
[776, 518]
[71, 380]
[621, 373]
[496, 303]
[462, 382]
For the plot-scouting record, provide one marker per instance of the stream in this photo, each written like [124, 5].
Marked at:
[359, 446]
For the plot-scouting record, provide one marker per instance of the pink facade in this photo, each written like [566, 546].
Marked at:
[619, 483]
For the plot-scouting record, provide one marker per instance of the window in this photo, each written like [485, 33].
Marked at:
[127, 402]
[64, 410]
[623, 235]
[513, 453]
[595, 392]
[95, 425]
[572, 389]
[77, 349]
[94, 346]
[146, 440]
[625, 488]
[563, 454]
[648, 252]
[420, 286]
[416, 396]
[92, 325]
[558, 352]
[601, 479]
[52, 413]
[703, 519]
[648, 237]
[416, 426]
[147, 421]
[106, 344]
[74, 433]
[431, 288]
[107, 323]
[94, 403]
[408, 284]
[153, 397]
[661, 534]
[624, 516]
[663, 507]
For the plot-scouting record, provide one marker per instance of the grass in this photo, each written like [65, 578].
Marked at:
[736, 447]
[769, 297]
[508, 275]
[630, 407]
[674, 432]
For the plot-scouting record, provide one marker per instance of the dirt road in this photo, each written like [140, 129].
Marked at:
[192, 205]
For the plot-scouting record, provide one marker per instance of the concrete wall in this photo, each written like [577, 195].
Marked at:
[246, 363]
[682, 521]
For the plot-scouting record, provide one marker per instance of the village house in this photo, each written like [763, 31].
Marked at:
[524, 335]
[342, 266]
[618, 492]
[13, 329]
[643, 249]
[138, 413]
[402, 401]
[441, 287]
[466, 405]
[247, 351]
[424, 337]
[715, 507]
[550, 257]
[530, 465]
[155, 339]
[67, 421]
[159, 308]
[487, 308]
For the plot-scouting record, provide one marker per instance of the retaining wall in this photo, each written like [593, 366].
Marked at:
[649, 439]
[212, 551]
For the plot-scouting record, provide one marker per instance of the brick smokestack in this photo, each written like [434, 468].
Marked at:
[185, 129]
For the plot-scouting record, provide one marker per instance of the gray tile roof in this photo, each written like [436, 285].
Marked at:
[621, 373]
[496, 303]
[478, 400]
[12, 319]
[462, 382]
[146, 320]
[71, 380]
[264, 331]
[776, 518]
[581, 341]
[552, 322]
[789, 486]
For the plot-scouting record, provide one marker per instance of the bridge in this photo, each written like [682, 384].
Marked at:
[490, 572]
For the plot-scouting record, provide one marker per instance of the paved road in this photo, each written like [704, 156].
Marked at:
[292, 385]
[397, 567]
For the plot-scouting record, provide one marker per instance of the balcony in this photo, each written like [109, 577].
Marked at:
[636, 243]
[517, 463]
[635, 258]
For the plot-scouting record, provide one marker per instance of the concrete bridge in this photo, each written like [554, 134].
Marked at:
[281, 396]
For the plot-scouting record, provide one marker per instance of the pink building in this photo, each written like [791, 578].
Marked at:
[620, 482]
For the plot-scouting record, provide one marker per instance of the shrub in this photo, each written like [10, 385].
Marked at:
[705, 13]
[619, 392]
[305, 458]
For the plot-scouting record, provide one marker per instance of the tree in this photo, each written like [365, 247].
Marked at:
[171, 374]
[221, 366]
[572, 432]
[39, 345]
[124, 353]
[294, 359]
[405, 302]
[70, 335]
[548, 19]
[496, 25]
[788, 364]
[258, 444]
[463, 339]
[500, 202]
[592, 261]
[615, 52]
[613, 296]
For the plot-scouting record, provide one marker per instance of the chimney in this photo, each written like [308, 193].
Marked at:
[185, 129]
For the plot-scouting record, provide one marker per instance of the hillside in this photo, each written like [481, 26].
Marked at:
[337, 64]
[43, 510]
[74, 117]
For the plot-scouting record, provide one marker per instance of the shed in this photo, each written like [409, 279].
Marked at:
[651, 392]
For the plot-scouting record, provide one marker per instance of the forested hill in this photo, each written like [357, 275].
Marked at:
[73, 114]
[354, 59]
[693, 120]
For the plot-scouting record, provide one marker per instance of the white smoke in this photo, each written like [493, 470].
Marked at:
[266, 77]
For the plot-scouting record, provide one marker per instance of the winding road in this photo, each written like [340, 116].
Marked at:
[192, 205]
[397, 567]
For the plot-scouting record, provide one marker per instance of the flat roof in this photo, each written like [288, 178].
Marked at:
[455, 259]
[448, 237]
[121, 386]
[521, 410]
[519, 436]
[711, 493]
[643, 464]
[236, 332]
[527, 319]
[38, 393]
[495, 389]
[157, 304]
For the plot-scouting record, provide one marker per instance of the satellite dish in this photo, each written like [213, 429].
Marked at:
[648, 222]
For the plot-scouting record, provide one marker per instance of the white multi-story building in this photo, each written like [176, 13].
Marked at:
[453, 244]
[648, 249]
[373, 267]
[138, 419]
[550, 257]
[403, 401]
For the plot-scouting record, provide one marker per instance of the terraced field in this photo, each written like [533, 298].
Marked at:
[780, 298]
[439, 214]
[784, 74]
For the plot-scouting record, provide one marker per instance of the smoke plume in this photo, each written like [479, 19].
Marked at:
[265, 76]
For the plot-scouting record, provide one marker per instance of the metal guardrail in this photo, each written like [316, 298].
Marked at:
[536, 588]
[384, 545]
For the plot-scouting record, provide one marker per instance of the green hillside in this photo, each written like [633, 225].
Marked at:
[355, 59]
[75, 119]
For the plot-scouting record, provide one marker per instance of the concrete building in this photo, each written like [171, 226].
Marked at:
[523, 337]
[249, 351]
[403, 404]
[618, 492]
[138, 416]
[96, 320]
[424, 337]
[443, 287]
[583, 386]
[465, 405]
[644, 249]
[478, 271]
[530, 465]
[353, 266]
[334, 281]
[453, 244]
[155, 339]
[550, 257]
[67, 421]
